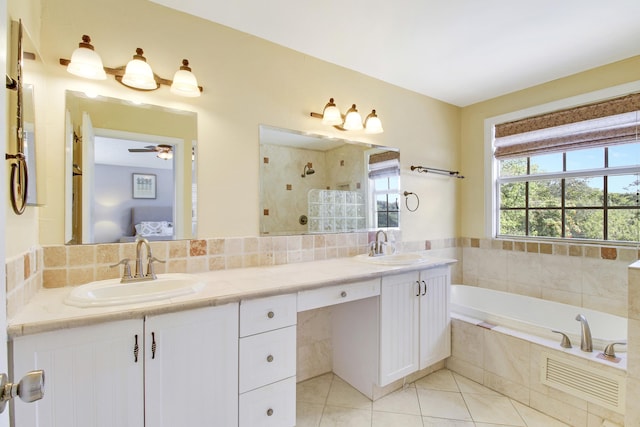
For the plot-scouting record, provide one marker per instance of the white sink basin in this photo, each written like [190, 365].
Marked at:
[112, 292]
[403, 258]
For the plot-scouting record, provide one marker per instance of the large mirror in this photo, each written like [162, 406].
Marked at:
[130, 171]
[316, 184]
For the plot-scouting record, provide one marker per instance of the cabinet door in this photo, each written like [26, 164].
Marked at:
[92, 377]
[399, 328]
[191, 368]
[435, 320]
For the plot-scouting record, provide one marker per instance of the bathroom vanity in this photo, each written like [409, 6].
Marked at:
[227, 355]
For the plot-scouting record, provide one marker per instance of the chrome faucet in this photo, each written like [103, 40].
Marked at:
[140, 274]
[586, 343]
[377, 247]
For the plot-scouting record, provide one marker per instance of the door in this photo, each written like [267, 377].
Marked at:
[88, 178]
[399, 328]
[4, 366]
[435, 323]
[93, 376]
[191, 368]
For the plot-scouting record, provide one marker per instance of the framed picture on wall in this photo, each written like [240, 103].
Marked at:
[144, 186]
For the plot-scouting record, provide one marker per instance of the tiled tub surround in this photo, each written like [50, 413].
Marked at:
[591, 276]
[509, 362]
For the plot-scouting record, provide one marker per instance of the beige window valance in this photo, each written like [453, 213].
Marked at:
[608, 122]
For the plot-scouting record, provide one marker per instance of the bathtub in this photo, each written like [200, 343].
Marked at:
[536, 316]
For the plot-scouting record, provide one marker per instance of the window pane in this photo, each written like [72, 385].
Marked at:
[382, 219]
[512, 195]
[584, 224]
[513, 167]
[547, 193]
[394, 182]
[545, 222]
[392, 220]
[393, 202]
[622, 190]
[381, 202]
[624, 155]
[584, 192]
[592, 158]
[381, 184]
[512, 223]
[546, 163]
[623, 224]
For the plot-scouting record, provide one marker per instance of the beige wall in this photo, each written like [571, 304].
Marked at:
[472, 128]
[247, 82]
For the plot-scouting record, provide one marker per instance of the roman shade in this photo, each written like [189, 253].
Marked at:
[384, 164]
[610, 122]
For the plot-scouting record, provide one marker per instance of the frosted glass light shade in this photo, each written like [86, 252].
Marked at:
[372, 123]
[138, 73]
[185, 82]
[165, 155]
[85, 62]
[353, 120]
[331, 114]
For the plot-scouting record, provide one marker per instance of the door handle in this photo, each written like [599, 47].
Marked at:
[29, 389]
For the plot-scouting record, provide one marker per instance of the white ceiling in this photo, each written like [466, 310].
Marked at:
[458, 51]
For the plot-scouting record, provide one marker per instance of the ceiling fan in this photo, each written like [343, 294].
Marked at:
[164, 151]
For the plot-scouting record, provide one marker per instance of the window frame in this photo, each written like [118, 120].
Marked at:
[491, 172]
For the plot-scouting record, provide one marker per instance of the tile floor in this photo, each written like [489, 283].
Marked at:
[442, 399]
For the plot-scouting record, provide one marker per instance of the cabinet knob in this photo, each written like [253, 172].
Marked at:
[270, 314]
[343, 294]
[269, 358]
[269, 412]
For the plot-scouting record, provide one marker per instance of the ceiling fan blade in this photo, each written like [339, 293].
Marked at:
[141, 150]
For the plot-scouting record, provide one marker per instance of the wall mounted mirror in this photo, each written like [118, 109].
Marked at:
[129, 171]
[316, 184]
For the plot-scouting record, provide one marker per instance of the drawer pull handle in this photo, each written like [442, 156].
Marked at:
[269, 412]
[343, 294]
[136, 350]
[425, 288]
[153, 345]
[269, 358]
[419, 288]
[270, 314]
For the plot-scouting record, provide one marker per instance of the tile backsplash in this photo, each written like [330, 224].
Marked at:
[591, 276]
[23, 278]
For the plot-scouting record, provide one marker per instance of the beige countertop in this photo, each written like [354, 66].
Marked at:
[47, 310]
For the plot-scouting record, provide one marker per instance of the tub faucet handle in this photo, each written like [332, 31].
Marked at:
[609, 350]
[566, 342]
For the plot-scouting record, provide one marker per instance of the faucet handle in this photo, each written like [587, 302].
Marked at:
[150, 269]
[127, 268]
[566, 342]
[609, 350]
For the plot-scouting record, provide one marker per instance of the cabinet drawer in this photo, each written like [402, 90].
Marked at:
[270, 406]
[266, 314]
[266, 358]
[322, 297]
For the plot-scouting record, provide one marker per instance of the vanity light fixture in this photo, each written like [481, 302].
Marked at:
[85, 61]
[351, 121]
[137, 74]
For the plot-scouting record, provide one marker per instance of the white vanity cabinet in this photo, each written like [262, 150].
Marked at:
[414, 322]
[92, 377]
[95, 377]
[267, 382]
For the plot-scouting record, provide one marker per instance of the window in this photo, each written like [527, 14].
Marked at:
[384, 187]
[575, 180]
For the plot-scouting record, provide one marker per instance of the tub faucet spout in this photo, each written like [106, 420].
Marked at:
[586, 344]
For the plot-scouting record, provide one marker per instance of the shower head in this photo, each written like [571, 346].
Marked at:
[307, 170]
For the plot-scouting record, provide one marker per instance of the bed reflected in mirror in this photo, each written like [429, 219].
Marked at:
[130, 171]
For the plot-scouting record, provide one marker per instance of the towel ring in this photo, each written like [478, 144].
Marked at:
[406, 201]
